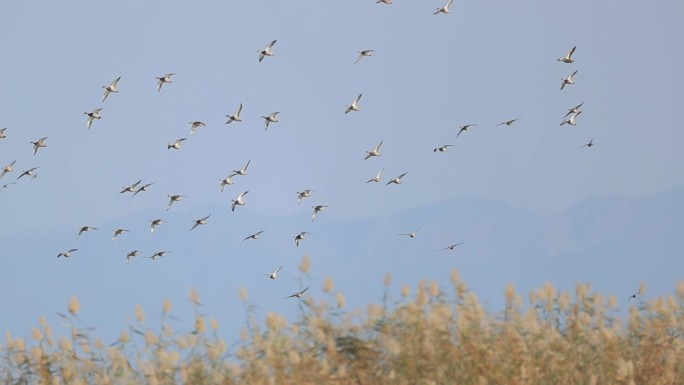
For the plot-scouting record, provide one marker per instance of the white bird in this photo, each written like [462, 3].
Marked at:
[254, 236]
[374, 152]
[451, 247]
[465, 127]
[396, 180]
[267, 51]
[195, 125]
[111, 88]
[384, 1]
[591, 143]
[130, 188]
[569, 80]
[159, 254]
[2, 133]
[445, 8]
[200, 222]
[8, 168]
[132, 254]
[571, 120]
[227, 181]
[354, 105]
[299, 294]
[444, 148]
[83, 229]
[243, 170]
[239, 201]
[142, 188]
[236, 116]
[154, 223]
[118, 232]
[173, 199]
[164, 79]
[300, 237]
[508, 122]
[303, 194]
[364, 53]
[29, 172]
[274, 275]
[377, 176]
[38, 144]
[272, 118]
[317, 209]
[66, 254]
[92, 116]
[574, 110]
[568, 56]
[176, 145]
[411, 234]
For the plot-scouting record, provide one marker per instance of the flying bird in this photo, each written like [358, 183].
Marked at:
[300, 237]
[444, 148]
[38, 144]
[507, 122]
[8, 168]
[227, 181]
[591, 143]
[173, 199]
[142, 188]
[569, 80]
[377, 176]
[164, 79]
[154, 223]
[274, 275]
[110, 88]
[2, 133]
[254, 236]
[465, 127]
[195, 125]
[317, 209]
[445, 8]
[574, 110]
[568, 56]
[118, 232]
[299, 294]
[267, 51]
[243, 170]
[354, 105]
[451, 247]
[176, 145]
[384, 1]
[159, 254]
[236, 116]
[83, 229]
[303, 194]
[411, 234]
[396, 180]
[130, 188]
[132, 254]
[66, 254]
[200, 222]
[572, 119]
[29, 172]
[374, 152]
[92, 116]
[239, 201]
[272, 118]
[364, 53]
[6, 185]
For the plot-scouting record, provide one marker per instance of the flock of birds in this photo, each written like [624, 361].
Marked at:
[268, 51]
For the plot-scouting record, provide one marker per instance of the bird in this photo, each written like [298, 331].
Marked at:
[303, 194]
[118, 232]
[274, 275]
[377, 176]
[384, 1]
[300, 237]
[173, 199]
[66, 254]
[451, 247]
[2, 133]
[411, 234]
[142, 188]
[176, 145]
[445, 8]
[236, 116]
[267, 51]
[465, 127]
[92, 116]
[507, 122]
[238, 201]
[569, 80]
[130, 188]
[254, 236]
[633, 296]
[354, 105]
[6, 185]
[132, 254]
[444, 148]
[374, 152]
[272, 118]
[364, 53]
[299, 294]
[317, 209]
[591, 143]
[164, 79]
[38, 144]
[159, 254]
[111, 88]
[195, 125]
[8, 168]
[154, 223]
[243, 170]
[29, 172]
[568, 56]
[199, 222]
[83, 229]
[574, 110]
[571, 120]
[396, 180]
[227, 181]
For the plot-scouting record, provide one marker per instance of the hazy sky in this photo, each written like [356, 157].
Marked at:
[484, 63]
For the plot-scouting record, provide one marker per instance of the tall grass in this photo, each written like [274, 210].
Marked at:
[430, 336]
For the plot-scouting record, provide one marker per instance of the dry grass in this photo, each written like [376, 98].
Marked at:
[428, 337]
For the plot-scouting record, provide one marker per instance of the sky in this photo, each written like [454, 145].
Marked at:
[484, 63]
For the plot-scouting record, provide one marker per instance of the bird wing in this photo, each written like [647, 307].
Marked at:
[115, 82]
[239, 110]
[270, 45]
[571, 51]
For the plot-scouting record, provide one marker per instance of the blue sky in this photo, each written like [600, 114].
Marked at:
[484, 63]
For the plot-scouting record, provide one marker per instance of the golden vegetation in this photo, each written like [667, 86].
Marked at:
[429, 337]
